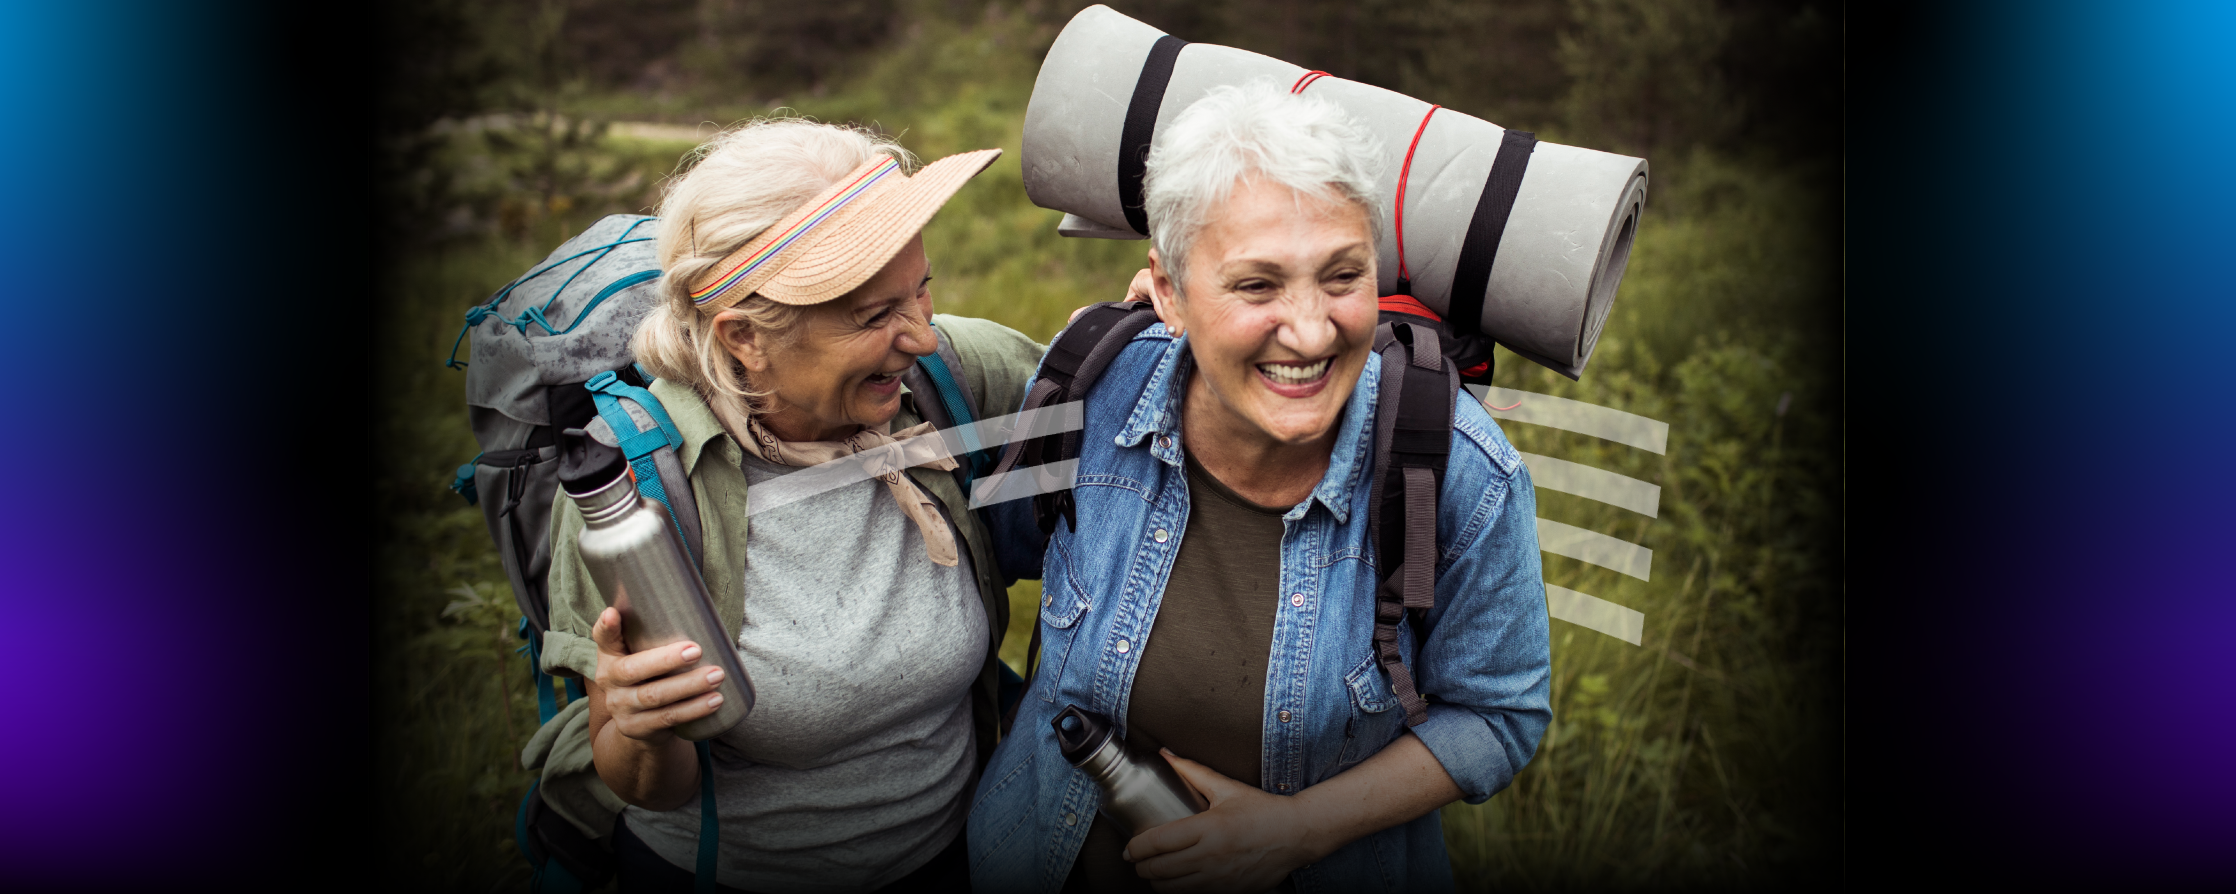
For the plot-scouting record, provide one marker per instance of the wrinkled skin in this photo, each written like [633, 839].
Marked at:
[1279, 308]
[837, 372]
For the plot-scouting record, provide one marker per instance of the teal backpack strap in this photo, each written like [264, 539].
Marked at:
[551, 877]
[979, 459]
[643, 449]
[654, 454]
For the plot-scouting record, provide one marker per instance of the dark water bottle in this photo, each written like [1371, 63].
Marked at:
[640, 566]
[1140, 791]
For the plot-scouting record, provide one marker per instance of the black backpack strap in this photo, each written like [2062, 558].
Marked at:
[1413, 436]
[1077, 359]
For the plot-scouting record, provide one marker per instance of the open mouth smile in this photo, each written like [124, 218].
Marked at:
[1296, 373]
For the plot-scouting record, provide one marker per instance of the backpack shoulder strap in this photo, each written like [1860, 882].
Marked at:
[652, 445]
[1075, 361]
[950, 406]
[1413, 436]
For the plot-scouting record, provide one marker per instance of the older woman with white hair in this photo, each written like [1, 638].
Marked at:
[867, 616]
[1217, 598]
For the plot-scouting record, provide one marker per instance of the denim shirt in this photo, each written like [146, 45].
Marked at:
[1484, 668]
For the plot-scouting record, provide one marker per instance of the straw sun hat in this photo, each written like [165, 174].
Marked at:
[839, 239]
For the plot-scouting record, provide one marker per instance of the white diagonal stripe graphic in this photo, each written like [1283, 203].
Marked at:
[1592, 483]
[1576, 416]
[1593, 613]
[996, 432]
[1594, 547]
[1017, 484]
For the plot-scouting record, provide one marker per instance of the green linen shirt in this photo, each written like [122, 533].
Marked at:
[996, 363]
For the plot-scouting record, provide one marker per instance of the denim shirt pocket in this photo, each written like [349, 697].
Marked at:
[1373, 723]
[1063, 602]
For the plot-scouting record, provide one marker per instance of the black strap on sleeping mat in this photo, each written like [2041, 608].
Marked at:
[1141, 126]
[1472, 274]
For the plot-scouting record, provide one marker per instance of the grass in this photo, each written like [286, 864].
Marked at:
[1708, 755]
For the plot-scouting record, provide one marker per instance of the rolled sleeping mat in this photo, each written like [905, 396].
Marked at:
[1532, 260]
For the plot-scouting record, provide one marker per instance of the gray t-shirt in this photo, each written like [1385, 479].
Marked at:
[855, 766]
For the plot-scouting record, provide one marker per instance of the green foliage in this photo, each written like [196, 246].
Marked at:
[453, 698]
[1706, 756]
[1644, 73]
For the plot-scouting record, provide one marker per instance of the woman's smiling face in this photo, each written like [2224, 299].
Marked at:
[840, 369]
[1279, 307]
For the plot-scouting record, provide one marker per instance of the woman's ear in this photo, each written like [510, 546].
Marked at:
[741, 340]
[1164, 295]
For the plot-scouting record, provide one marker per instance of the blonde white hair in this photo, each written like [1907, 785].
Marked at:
[739, 183]
[1257, 131]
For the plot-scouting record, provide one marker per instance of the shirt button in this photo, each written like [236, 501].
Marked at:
[1124, 647]
[1296, 599]
[1119, 440]
[1282, 786]
[1164, 442]
[1161, 535]
[1284, 716]
[1071, 819]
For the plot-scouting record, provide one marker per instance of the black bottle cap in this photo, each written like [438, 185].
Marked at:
[1080, 733]
[586, 465]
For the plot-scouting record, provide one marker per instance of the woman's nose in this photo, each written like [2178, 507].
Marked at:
[1306, 327]
[916, 336]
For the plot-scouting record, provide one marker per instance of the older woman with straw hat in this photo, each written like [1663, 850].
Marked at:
[796, 301]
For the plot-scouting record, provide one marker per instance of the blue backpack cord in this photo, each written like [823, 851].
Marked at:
[551, 876]
[463, 482]
[710, 824]
[535, 315]
[520, 837]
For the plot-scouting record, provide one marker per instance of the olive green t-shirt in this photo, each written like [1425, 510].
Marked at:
[1200, 690]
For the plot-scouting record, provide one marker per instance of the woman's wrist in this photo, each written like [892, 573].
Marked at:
[645, 772]
[1316, 829]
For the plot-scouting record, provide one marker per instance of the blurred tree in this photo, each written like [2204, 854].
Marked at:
[772, 47]
[1492, 59]
[1646, 75]
[1785, 59]
[631, 45]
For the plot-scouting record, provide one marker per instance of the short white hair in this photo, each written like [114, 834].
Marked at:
[1258, 131]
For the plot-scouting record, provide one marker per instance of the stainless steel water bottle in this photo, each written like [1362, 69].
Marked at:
[1139, 790]
[640, 566]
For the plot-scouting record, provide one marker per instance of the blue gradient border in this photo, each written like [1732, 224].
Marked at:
[188, 654]
[2040, 301]
[2043, 684]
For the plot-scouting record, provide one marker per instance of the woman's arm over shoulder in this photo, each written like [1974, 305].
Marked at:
[998, 361]
[1486, 667]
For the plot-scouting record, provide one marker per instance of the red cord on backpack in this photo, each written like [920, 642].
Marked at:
[1405, 173]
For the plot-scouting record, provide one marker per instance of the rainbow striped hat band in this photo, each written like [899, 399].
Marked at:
[839, 239]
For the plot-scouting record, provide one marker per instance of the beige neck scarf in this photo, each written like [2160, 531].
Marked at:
[889, 455]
